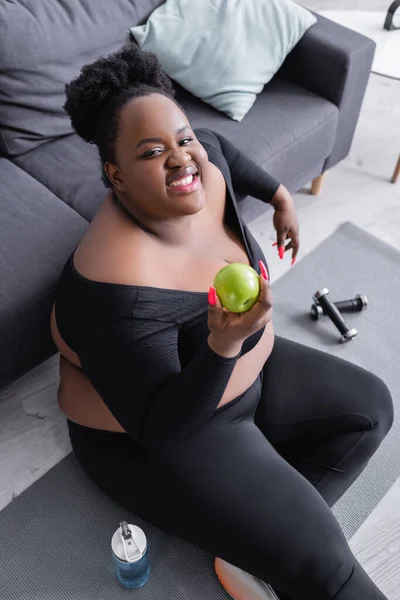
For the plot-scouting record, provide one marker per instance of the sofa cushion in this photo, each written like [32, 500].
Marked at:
[288, 131]
[38, 233]
[43, 45]
[71, 169]
[224, 51]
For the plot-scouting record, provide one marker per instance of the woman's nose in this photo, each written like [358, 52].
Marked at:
[178, 157]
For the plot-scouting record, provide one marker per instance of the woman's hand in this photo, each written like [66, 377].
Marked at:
[285, 222]
[228, 330]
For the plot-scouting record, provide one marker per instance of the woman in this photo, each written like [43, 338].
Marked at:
[237, 441]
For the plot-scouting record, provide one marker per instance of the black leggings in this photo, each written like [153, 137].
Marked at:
[255, 485]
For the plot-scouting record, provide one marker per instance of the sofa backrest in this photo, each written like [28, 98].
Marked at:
[43, 45]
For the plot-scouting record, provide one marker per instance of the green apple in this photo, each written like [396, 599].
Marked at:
[238, 287]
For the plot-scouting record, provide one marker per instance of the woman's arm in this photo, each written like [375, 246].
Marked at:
[247, 177]
[139, 378]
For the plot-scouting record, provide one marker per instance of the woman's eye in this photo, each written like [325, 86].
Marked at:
[156, 151]
[151, 153]
[186, 140]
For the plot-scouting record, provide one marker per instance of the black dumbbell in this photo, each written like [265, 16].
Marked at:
[322, 299]
[357, 304]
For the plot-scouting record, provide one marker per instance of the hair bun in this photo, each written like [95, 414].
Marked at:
[89, 93]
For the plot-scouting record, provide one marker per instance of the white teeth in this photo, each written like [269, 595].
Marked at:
[184, 181]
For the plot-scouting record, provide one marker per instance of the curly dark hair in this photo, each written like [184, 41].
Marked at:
[96, 97]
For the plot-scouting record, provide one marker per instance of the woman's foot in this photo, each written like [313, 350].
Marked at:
[240, 585]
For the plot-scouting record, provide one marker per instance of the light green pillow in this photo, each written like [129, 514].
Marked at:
[224, 51]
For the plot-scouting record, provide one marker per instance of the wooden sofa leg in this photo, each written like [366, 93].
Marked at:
[317, 184]
[396, 172]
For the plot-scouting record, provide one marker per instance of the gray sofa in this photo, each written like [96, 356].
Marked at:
[300, 125]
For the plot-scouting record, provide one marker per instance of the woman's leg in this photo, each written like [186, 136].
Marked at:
[228, 491]
[324, 415]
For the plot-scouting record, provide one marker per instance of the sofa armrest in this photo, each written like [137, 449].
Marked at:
[335, 63]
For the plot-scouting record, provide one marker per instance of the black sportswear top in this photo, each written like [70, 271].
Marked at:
[144, 348]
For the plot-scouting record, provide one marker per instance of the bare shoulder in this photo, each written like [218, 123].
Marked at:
[114, 250]
[121, 259]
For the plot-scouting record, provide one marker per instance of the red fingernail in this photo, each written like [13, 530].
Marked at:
[263, 270]
[212, 297]
[275, 244]
[293, 261]
[281, 252]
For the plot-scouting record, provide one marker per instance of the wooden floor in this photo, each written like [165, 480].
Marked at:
[33, 434]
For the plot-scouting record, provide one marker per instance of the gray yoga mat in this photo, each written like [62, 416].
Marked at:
[350, 262]
[55, 536]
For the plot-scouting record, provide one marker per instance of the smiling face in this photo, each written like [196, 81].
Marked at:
[159, 162]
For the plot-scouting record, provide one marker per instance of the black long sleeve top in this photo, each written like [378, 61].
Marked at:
[144, 348]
